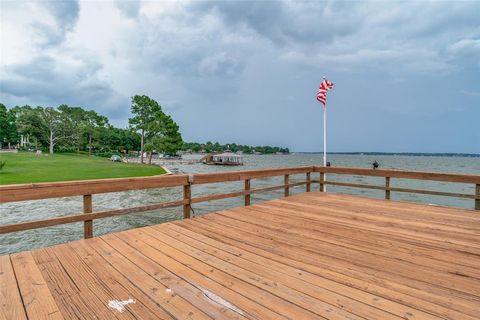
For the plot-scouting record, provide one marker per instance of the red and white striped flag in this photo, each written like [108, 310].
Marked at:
[322, 91]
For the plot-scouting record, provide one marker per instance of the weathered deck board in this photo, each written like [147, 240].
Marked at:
[309, 256]
[11, 302]
[36, 296]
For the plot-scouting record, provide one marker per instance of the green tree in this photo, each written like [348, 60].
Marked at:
[167, 138]
[8, 127]
[131, 140]
[3, 124]
[48, 125]
[58, 126]
[163, 135]
[76, 120]
[172, 138]
[143, 110]
[91, 126]
[84, 125]
[28, 123]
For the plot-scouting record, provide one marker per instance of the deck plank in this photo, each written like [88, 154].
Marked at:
[387, 289]
[355, 302]
[240, 283]
[119, 254]
[167, 299]
[276, 251]
[228, 291]
[447, 284]
[421, 228]
[36, 297]
[369, 240]
[309, 256]
[74, 299]
[11, 306]
[301, 294]
[288, 246]
[448, 241]
[308, 229]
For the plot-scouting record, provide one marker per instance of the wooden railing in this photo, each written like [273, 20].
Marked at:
[398, 174]
[87, 188]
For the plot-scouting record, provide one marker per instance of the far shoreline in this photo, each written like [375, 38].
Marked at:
[413, 154]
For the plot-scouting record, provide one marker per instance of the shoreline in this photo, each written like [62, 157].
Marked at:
[413, 154]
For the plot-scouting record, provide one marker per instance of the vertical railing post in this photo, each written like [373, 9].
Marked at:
[187, 198]
[286, 186]
[387, 188]
[477, 197]
[307, 185]
[322, 182]
[247, 189]
[87, 224]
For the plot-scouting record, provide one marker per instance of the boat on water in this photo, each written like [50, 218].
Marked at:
[223, 159]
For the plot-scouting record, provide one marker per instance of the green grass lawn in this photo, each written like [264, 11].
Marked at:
[26, 167]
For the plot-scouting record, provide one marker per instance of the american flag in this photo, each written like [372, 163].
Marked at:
[322, 91]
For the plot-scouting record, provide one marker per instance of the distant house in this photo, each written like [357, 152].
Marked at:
[24, 141]
[225, 159]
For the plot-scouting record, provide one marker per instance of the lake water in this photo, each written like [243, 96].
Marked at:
[42, 209]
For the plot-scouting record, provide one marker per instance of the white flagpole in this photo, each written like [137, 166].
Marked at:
[325, 135]
[325, 143]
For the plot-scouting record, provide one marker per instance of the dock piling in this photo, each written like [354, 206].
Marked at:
[87, 224]
[322, 182]
[187, 198]
[387, 188]
[477, 197]
[247, 194]
[286, 185]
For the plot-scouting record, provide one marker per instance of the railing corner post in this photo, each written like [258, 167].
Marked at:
[286, 185]
[387, 188]
[322, 182]
[307, 186]
[87, 224]
[247, 192]
[187, 199]
[477, 196]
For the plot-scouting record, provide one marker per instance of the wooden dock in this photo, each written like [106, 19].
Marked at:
[309, 256]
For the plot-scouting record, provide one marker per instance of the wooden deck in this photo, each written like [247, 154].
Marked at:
[309, 256]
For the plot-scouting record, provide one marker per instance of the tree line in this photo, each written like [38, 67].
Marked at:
[217, 147]
[74, 129]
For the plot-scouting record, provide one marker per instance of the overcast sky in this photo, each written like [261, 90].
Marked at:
[406, 74]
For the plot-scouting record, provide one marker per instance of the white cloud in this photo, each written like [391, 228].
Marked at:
[19, 35]
[466, 46]
[219, 64]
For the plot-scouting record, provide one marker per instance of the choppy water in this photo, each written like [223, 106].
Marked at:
[41, 209]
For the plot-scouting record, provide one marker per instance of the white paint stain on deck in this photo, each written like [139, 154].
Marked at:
[119, 305]
[219, 300]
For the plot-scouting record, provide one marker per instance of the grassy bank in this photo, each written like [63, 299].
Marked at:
[25, 167]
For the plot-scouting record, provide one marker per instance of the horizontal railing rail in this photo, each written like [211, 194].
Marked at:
[202, 178]
[401, 174]
[36, 191]
[87, 188]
